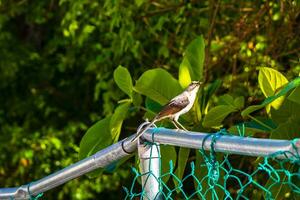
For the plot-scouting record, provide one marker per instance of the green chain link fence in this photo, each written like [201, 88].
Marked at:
[223, 176]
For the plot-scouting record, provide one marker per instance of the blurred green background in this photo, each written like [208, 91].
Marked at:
[57, 60]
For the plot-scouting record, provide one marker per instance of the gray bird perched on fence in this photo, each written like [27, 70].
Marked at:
[179, 105]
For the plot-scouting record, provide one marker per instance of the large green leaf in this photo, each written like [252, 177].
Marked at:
[216, 115]
[117, 120]
[123, 79]
[291, 85]
[103, 133]
[96, 138]
[191, 67]
[158, 85]
[270, 81]
[184, 73]
[195, 54]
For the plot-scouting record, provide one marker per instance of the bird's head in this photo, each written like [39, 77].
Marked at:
[194, 86]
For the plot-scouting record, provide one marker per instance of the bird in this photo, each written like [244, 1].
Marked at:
[177, 106]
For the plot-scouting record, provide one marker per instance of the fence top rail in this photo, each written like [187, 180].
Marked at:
[225, 143]
[222, 143]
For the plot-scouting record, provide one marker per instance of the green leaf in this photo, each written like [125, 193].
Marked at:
[239, 102]
[152, 109]
[195, 54]
[208, 92]
[291, 85]
[216, 115]
[123, 79]
[252, 127]
[168, 153]
[270, 81]
[158, 85]
[295, 95]
[288, 119]
[96, 138]
[117, 120]
[139, 2]
[136, 99]
[152, 105]
[251, 109]
[287, 109]
[184, 73]
[289, 129]
[226, 100]
[102, 134]
[182, 160]
[191, 67]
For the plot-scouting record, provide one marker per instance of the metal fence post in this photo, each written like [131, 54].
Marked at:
[150, 165]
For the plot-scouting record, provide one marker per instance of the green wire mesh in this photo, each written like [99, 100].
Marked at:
[222, 176]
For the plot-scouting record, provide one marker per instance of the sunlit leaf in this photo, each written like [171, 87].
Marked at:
[291, 85]
[159, 85]
[184, 73]
[191, 67]
[270, 81]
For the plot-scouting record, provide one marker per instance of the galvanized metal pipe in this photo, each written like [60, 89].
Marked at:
[99, 160]
[226, 143]
[149, 155]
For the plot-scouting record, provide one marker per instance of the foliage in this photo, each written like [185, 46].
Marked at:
[59, 70]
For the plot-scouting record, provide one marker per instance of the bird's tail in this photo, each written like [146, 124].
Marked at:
[143, 130]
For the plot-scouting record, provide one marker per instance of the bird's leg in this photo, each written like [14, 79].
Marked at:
[178, 124]
[175, 124]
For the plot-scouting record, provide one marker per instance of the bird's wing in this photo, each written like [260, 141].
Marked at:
[173, 107]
